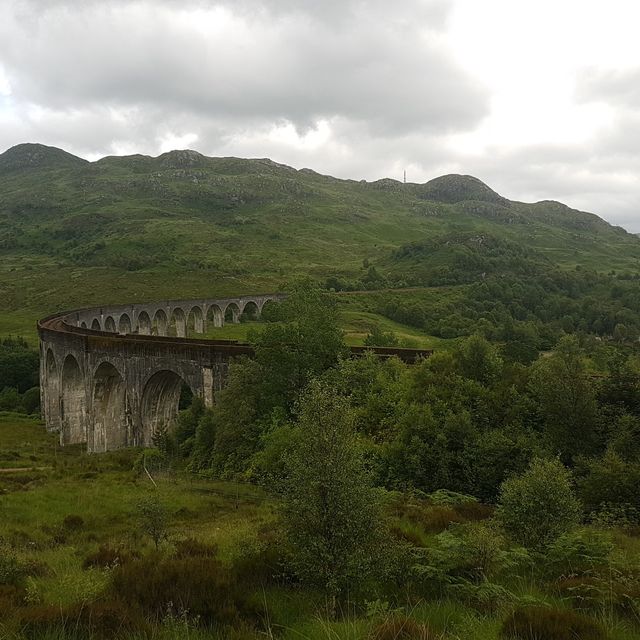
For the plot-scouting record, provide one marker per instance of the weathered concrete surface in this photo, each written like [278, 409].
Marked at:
[111, 377]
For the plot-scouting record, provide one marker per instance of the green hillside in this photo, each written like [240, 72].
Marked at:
[76, 233]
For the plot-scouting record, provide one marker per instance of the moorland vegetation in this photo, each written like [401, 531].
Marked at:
[490, 491]
[469, 495]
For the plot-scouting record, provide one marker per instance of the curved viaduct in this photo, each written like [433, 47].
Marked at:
[112, 376]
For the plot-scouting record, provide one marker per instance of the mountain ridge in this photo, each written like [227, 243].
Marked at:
[448, 189]
[75, 233]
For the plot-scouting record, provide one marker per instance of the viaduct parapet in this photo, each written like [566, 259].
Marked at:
[112, 376]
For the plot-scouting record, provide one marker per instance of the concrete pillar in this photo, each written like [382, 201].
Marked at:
[207, 380]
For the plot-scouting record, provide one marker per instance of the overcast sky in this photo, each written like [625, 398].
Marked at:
[538, 98]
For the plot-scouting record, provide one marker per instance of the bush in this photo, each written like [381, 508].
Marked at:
[541, 623]
[577, 552]
[106, 619]
[12, 571]
[10, 597]
[72, 522]
[262, 567]
[106, 556]
[437, 518]
[402, 628]
[31, 400]
[154, 518]
[202, 586]
[538, 506]
[192, 548]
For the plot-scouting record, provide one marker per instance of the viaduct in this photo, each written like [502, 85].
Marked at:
[110, 377]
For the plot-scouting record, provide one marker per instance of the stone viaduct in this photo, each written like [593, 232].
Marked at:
[112, 376]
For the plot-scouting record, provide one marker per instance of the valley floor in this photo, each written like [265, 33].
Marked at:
[59, 507]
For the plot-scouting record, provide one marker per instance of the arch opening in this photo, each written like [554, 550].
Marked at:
[178, 324]
[163, 396]
[52, 392]
[214, 316]
[160, 323]
[232, 313]
[124, 324]
[144, 324]
[269, 310]
[110, 324]
[73, 404]
[195, 321]
[95, 325]
[83, 325]
[250, 312]
[109, 412]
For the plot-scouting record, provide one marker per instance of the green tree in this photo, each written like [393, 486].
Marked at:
[331, 513]
[305, 342]
[478, 360]
[154, 518]
[535, 508]
[566, 399]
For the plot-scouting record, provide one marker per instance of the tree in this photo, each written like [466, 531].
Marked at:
[566, 399]
[153, 517]
[478, 360]
[305, 342]
[331, 513]
[535, 508]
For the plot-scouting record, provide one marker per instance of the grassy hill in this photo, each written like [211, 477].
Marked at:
[76, 233]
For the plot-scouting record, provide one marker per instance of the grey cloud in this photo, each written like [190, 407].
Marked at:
[386, 72]
[613, 86]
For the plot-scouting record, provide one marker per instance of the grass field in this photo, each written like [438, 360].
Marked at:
[43, 486]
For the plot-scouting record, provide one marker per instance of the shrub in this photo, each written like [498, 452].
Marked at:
[450, 498]
[261, 567]
[577, 552]
[153, 517]
[10, 598]
[538, 506]
[12, 571]
[106, 556]
[402, 628]
[437, 518]
[202, 586]
[72, 522]
[541, 623]
[474, 511]
[104, 619]
[192, 548]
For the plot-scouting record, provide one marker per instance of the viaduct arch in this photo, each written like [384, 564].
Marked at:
[111, 376]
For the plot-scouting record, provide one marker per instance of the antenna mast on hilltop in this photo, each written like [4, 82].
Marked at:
[405, 177]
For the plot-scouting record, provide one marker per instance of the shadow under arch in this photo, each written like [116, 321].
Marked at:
[124, 324]
[52, 392]
[195, 321]
[110, 324]
[232, 313]
[214, 316]
[109, 429]
[250, 311]
[160, 403]
[159, 324]
[178, 324]
[144, 324]
[95, 325]
[73, 404]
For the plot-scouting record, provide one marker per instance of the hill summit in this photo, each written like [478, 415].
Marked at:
[36, 156]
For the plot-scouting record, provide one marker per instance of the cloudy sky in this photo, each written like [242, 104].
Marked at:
[538, 98]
